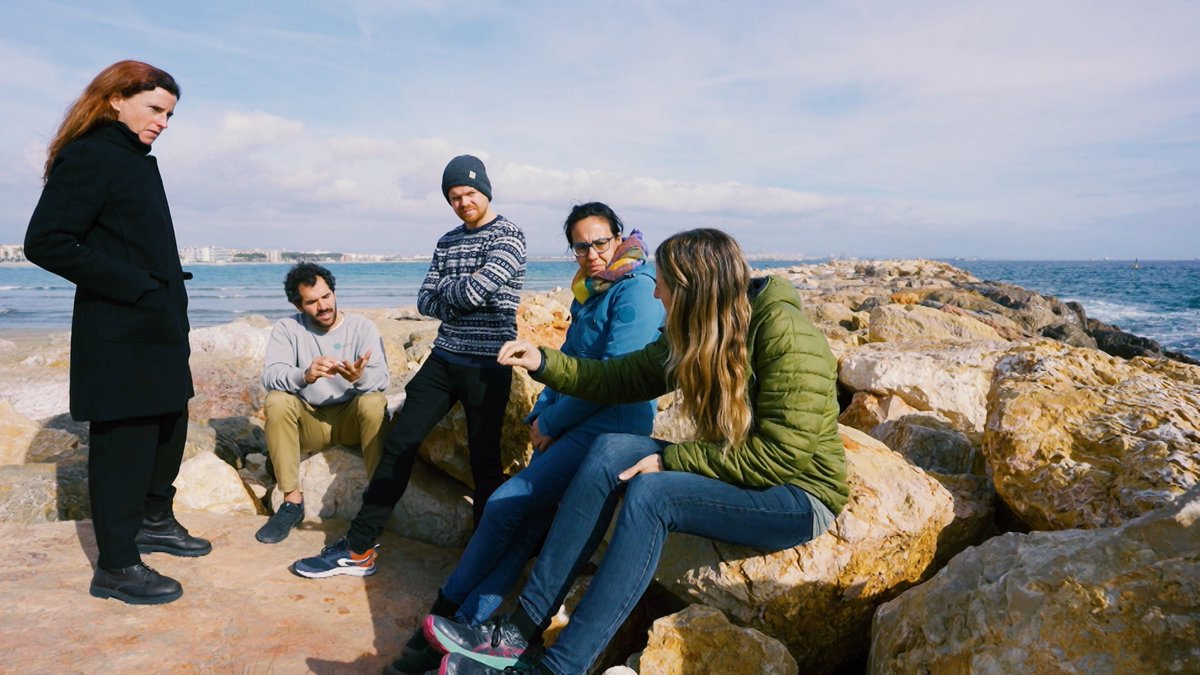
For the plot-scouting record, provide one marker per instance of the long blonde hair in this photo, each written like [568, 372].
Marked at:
[707, 327]
[124, 79]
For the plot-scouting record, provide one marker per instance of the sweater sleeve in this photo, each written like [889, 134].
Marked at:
[638, 376]
[375, 375]
[633, 321]
[505, 259]
[429, 299]
[280, 371]
[794, 378]
[71, 202]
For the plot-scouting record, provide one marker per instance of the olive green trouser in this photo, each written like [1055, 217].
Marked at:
[293, 425]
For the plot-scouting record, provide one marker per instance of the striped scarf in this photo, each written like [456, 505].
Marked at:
[630, 255]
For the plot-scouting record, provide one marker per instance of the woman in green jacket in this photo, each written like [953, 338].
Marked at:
[768, 470]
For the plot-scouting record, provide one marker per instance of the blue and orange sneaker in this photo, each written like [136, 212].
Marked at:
[337, 560]
[496, 643]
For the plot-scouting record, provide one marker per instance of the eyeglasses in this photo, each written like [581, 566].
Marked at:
[580, 248]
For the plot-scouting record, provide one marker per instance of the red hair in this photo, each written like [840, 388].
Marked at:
[92, 108]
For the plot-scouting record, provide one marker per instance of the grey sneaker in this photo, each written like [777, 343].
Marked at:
[279, 525]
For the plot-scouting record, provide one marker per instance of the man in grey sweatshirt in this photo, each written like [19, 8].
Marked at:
[325, 373]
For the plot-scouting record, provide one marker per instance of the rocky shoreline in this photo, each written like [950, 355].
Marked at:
[1023, 500]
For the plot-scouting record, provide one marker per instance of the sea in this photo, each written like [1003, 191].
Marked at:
[1155, 299]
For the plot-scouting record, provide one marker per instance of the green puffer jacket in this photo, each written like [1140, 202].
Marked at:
[794, 438]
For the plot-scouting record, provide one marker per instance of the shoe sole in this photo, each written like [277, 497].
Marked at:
[155, 548]
[105, 593]
[443, 643]
[338, 571]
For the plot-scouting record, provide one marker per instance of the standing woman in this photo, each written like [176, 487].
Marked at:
[768, 470]
[103, 224]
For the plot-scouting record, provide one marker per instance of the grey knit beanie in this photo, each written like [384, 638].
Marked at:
[466, 170]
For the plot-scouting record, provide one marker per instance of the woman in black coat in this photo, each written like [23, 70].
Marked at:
[103, 224]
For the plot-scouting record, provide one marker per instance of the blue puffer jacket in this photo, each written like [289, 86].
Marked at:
[622, 319]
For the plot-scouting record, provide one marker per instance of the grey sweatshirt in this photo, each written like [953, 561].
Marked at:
[294, 344]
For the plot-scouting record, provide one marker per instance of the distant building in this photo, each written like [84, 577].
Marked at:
[12, 253]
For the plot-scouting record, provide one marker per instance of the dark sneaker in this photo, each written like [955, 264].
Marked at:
[337, 560]
[166, 535]
[496, 643]
[458, 664]
[415, 662]
[279, 525]
[137, 585]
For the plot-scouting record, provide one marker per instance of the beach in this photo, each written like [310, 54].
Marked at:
[985, 426]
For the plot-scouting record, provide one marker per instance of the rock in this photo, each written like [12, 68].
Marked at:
[700, 640]
[446, 445]
[238, 437]
[241, 340]
[241, 610]
[1077, 438]
[818, 598]
[898, 323]
[867, 411]
[206, 483]
[44, 492]
[24, 440]
[949, 378]
[201, 440]
[930, 442]
[1112, 600]
[332, 481]
[974, 514]
[436, 509]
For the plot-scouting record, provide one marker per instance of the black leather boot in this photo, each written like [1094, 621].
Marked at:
[137, 585]
[166, 535]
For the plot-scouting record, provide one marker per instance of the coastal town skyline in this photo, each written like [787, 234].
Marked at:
[931, 130]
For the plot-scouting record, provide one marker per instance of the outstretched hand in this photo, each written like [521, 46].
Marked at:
[648, 464]
[353, 371]
[521, 353]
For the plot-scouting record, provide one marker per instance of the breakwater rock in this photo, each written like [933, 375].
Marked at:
[987, 427]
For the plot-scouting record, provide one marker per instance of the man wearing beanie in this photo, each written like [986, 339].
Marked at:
[474, 286]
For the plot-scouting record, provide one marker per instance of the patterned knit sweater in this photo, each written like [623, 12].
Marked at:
[474, 286]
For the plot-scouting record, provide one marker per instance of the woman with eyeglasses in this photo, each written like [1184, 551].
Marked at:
[614, 312]
[768, 470]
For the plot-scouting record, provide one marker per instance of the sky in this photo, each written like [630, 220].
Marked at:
[1014, 129]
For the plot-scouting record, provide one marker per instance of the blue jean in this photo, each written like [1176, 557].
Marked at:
[514, 520]
[655, 504]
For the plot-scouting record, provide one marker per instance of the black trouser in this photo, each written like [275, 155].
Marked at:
[132, 464]
[429, 396]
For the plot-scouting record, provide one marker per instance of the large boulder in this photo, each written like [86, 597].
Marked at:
[24, 440]
[207, 483]
[699, 640]
[1078, 438]
[446, 445]
[867, 411]
[44, 492]
[900, 323]
[818, 598]
[1113, 600]
[928, 441]
[434, 509]
[951, 378]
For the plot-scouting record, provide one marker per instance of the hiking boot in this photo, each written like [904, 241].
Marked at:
[337, 560]
[137, 585]
[458, 664]
[166, 535]
[281, 523]
[496, 643]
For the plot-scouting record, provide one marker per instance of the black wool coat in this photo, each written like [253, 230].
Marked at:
[103, 223]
